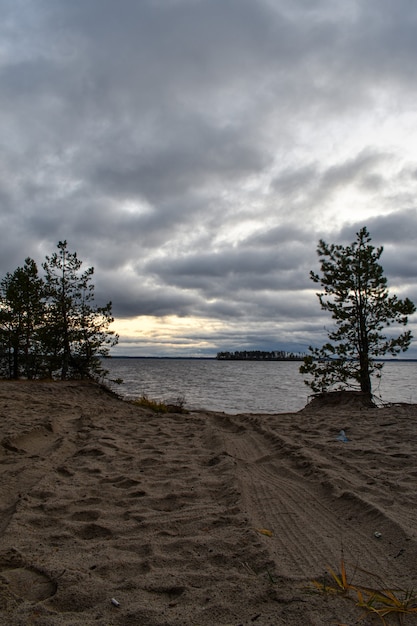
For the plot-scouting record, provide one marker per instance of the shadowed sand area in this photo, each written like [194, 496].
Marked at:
[102, 500]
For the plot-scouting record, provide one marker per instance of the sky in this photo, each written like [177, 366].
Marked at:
[194, 152]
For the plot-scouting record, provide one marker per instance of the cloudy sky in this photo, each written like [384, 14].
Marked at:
[195, 151]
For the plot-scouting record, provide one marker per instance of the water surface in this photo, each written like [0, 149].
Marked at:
[240, 386]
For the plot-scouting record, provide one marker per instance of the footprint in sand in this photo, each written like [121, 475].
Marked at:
[25, 581]
[125, 483]
[90, 501]
[85, 516]
[139, 493]
[36, 442]
[29, 583]
[93, 531]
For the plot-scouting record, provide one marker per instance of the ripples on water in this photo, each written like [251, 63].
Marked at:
[240, 386]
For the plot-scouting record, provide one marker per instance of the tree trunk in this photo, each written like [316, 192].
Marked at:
[16, 359]
[365, 379]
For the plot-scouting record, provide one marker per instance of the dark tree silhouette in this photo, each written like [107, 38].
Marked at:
[21, 321]
[77, 332]
[355, 293]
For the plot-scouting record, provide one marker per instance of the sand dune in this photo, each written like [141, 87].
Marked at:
[202, 519]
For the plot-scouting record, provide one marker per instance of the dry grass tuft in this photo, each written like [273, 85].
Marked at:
[158, 406]
[376, 598]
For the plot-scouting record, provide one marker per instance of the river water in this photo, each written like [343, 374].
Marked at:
[240, 386]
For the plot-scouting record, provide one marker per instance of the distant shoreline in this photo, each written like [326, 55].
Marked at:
[213, 358]
[172, 358]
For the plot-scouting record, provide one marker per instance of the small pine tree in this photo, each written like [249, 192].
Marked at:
[355, 293]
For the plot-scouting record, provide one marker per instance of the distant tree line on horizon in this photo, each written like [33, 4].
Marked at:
[49, 325]
[260, 355]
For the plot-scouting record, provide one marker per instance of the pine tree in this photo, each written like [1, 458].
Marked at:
[77, 332]
[21, 321]
[355, 293]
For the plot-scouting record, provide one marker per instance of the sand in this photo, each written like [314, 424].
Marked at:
[200, 519]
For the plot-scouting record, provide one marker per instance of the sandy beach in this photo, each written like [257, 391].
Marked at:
[113, 515]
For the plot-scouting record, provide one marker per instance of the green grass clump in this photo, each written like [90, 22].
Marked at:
[376, 598]
[159, 406]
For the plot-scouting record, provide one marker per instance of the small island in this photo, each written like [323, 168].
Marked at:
[260, 355]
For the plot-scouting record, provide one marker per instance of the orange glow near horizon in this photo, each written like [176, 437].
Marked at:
[169, 332]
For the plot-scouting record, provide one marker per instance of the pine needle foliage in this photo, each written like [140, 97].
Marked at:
[50, 326]
[356, 294]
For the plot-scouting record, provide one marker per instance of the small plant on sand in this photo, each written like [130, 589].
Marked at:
[376, 599]
[339, 582]
[159, 406]
[148, 403]
[176, 405]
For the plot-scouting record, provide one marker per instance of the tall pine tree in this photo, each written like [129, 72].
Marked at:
[21, 321]
[355, 293]
[77, 332]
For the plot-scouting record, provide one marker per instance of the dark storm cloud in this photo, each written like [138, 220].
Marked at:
[195, 151]
[252, 266]
[397, 234]
[396, 229]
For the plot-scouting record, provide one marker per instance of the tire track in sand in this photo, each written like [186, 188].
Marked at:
[305, 516]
